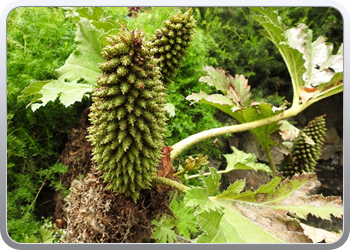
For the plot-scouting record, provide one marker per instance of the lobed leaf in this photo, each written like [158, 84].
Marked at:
[216, 100]
[216, 77]
[241, 160]
[32, 90]
[261, 216]
[232, 191]
[217, 228]
[237, 89]
[185, 220]
[237, 103]
[197, 197]
[82, 64]
[90, 13]
[258, 111]
[163, 231]
[67, 92]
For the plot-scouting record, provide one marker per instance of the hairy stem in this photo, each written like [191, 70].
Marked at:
[179, 147]
[157, 180]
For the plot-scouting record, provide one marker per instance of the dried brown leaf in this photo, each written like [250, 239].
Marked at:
[320, 235]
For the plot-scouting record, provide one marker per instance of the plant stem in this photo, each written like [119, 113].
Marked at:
[180, 172]
[179, 147]
[157, 180]
[205, 174]
[271, 161]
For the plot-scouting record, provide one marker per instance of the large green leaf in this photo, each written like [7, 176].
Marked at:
[80, 67]
[67, 92]
[217, 228]
[199, 196]
[82, 64]
[77, 76]
[90, 13]
[235, 161]
[236, 88]
[212, 182]
[33, 90]
[261, 216]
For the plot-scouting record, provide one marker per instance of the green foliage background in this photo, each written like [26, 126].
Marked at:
[40, 39]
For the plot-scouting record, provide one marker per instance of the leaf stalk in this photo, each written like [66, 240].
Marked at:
[181, 146]
[157, 180]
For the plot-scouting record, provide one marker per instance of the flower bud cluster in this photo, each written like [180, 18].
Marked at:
[127, 114]
[171, 41]
[304, 156]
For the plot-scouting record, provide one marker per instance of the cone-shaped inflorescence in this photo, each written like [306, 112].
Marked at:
[128, 116]
[171, 42]
[304, 156]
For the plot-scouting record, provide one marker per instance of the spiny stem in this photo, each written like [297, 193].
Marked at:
[179, 147]
[157, 180]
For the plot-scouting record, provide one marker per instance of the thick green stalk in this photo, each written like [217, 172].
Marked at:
[179, 147]
[157, 180]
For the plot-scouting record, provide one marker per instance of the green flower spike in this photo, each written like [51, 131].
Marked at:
[171, 42]
[128, 115]
[304, 156]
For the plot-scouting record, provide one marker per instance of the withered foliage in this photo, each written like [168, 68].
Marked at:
[97, 215]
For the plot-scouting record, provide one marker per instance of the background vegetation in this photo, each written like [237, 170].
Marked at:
[39, 40]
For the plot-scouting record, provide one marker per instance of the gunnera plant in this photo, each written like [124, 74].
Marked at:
[304, 155]
[116, 201]
[127, 115]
